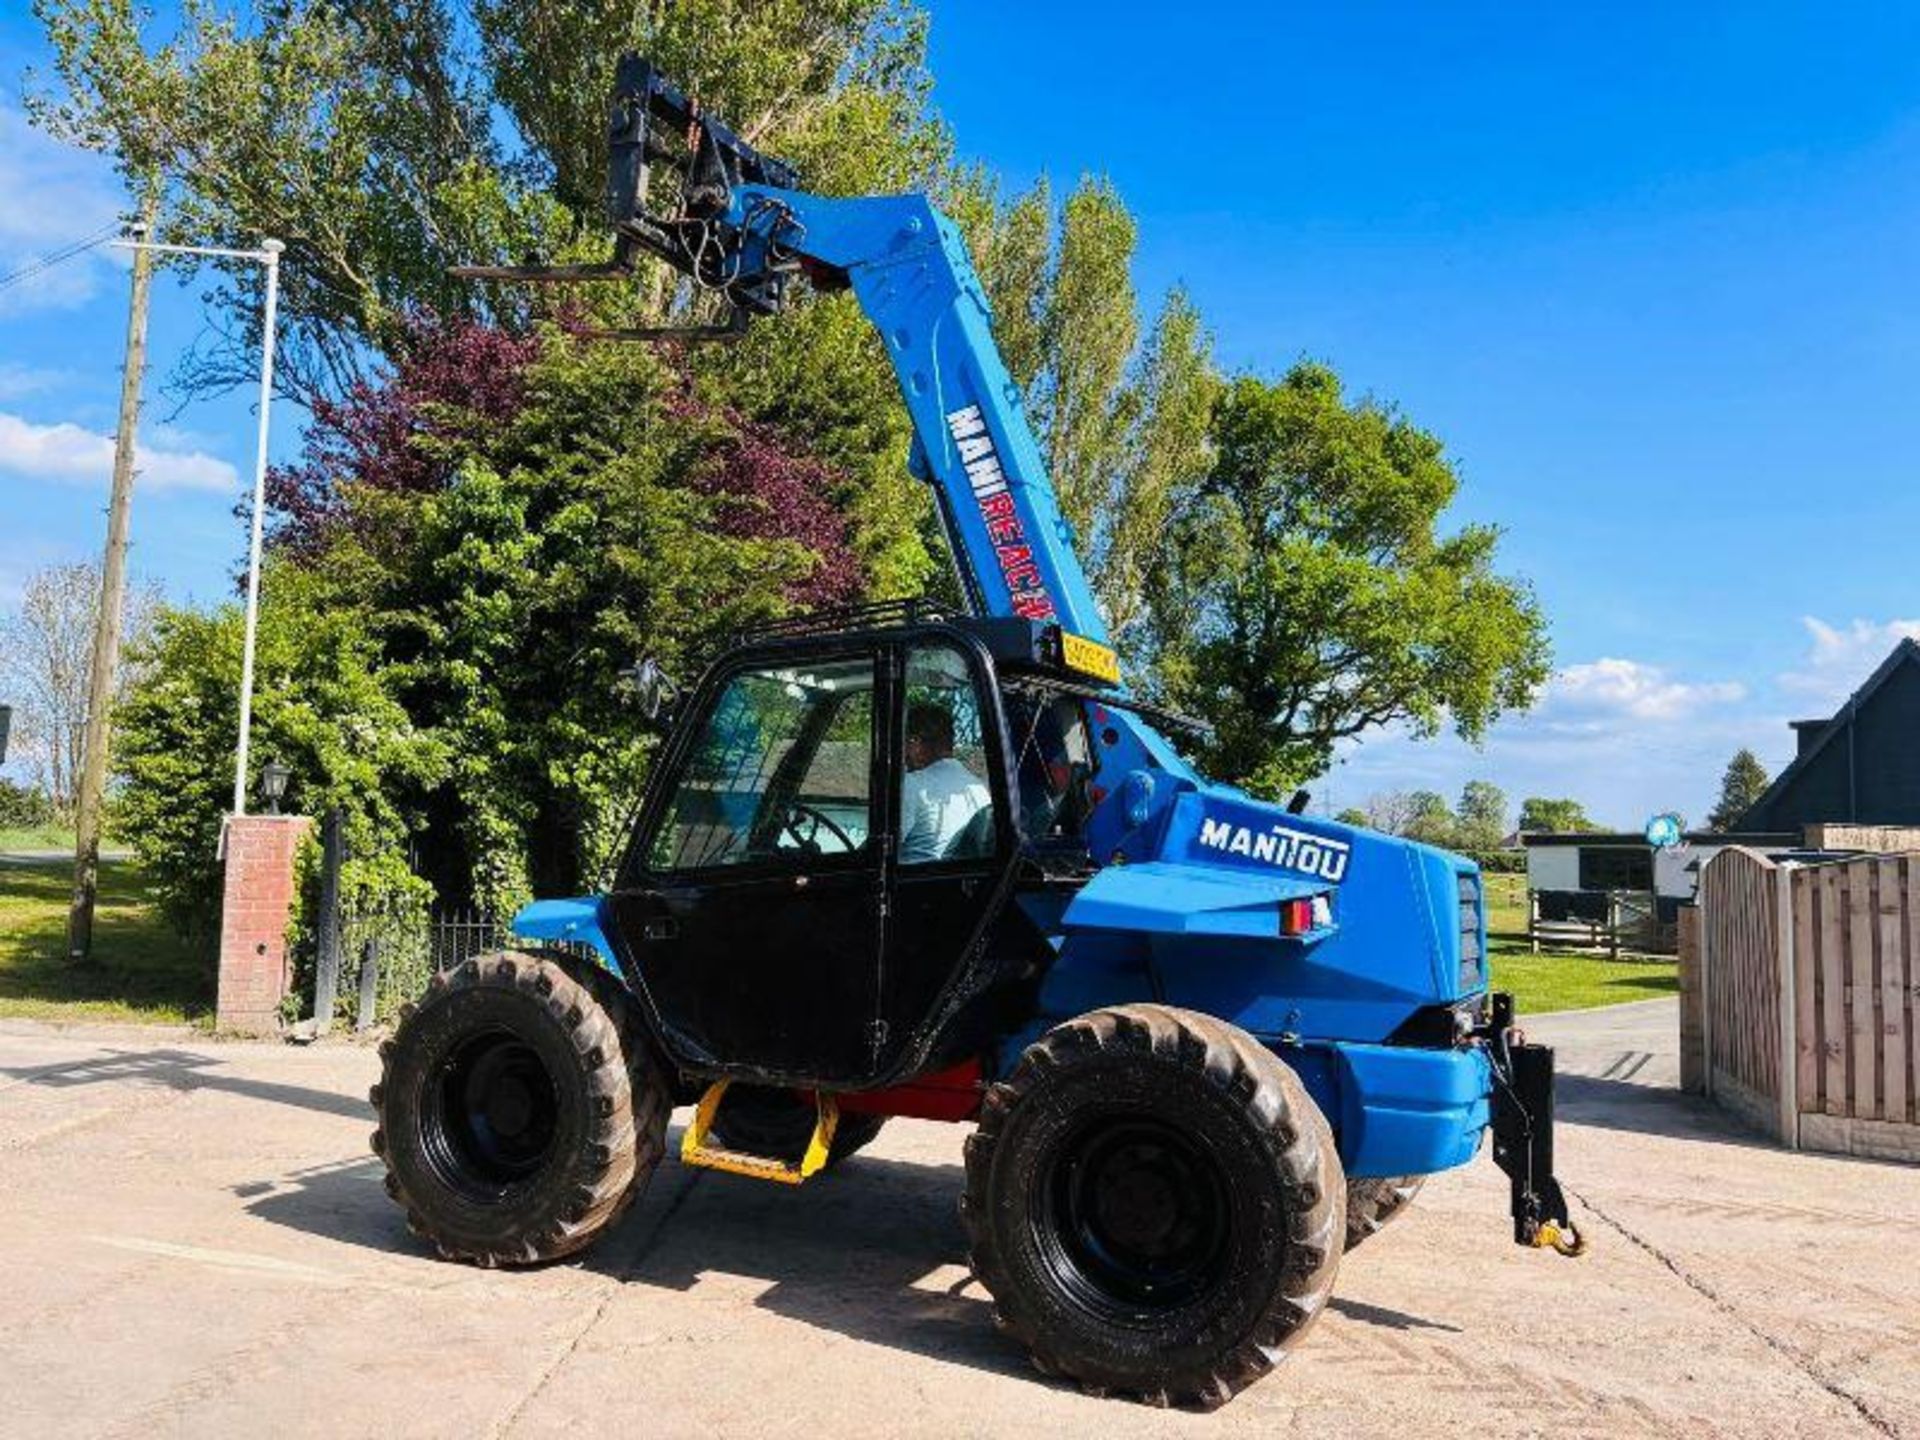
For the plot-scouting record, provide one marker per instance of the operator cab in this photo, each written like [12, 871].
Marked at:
[833, 827]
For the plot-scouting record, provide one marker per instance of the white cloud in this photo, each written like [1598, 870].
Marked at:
[56, 195]
[1840, 658]
[71, 454]
[17, 380]
[1625, 737]
[1602, 691]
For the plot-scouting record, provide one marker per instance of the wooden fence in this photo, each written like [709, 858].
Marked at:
[1632, 926]
[1806, 998]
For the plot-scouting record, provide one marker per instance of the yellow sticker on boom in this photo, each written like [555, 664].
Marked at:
[1089, 657]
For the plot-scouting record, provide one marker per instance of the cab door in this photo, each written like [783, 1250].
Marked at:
[754, 912]
[950, 819]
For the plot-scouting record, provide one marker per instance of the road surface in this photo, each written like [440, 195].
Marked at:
[195, 1241]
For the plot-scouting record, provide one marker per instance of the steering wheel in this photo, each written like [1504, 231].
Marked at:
[798, 811]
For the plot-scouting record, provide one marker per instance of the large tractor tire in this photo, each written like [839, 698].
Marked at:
[1155, 1203]
[1372, 1203]
[519, 1115]
[778, 1123]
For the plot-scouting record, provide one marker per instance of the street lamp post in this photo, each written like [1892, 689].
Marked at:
[267, 255]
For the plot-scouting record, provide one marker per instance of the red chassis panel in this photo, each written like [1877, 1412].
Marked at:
[944, 1095]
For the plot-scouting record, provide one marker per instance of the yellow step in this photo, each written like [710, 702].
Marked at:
[695, 1151]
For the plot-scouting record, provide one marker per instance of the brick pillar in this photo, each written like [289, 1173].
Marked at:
[254, 912]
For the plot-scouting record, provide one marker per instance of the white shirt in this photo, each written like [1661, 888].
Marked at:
[936, 802]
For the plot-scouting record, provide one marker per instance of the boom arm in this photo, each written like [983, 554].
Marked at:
[909, 269]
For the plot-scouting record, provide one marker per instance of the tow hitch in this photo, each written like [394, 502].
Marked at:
[1523, 1135]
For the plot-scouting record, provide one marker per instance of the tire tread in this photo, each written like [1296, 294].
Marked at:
[1304, 1151]
[625, 1135]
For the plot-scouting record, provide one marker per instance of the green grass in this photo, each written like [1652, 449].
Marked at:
[141, 970]
[1506, 904]
[1579, 982]
[1561, 980]
[45, 837]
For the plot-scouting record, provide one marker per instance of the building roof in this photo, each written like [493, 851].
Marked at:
[1758, 839]
[1907, 652]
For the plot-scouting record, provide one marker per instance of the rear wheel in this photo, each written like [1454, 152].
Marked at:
[777, 1123]
[1372, 1203]
[517, 1122]
[1155, 1203]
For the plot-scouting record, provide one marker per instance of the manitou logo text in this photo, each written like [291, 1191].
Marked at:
[1281, 847]
[1025, 588]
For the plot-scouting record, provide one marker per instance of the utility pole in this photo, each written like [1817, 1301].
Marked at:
[106, 635]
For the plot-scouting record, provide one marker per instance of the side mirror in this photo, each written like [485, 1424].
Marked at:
[653, 690]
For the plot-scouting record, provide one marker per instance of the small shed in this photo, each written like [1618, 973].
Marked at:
[1571, 873]
[1612, 889]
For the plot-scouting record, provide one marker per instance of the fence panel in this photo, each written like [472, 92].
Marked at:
[1742, 982]
[1830, 948]
[1860, 989]
[1910, 894]
[1835, 1019]
[1891, 961]
[1809, 1057]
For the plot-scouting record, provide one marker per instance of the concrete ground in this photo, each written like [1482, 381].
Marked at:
[194, 1240]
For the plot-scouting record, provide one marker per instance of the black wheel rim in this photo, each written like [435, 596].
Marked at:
[493, 1115]
[1133, 1219]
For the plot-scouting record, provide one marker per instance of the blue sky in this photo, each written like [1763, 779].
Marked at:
[1647, 270]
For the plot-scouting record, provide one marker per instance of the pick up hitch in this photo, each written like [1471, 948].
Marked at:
[1523, 1135]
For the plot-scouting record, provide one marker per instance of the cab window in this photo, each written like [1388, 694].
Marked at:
[781, 770]
[946, 805]
[1056, 762]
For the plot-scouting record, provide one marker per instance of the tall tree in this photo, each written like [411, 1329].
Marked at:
[385, 142]
[1015, 259]
[1430, 822]
[45, 648]
[1312, 596]
[468, 558]
[1091, 326]
[1167, 452]
[1124, 424]
[1390, 811]
[1744, 782]
[1482, 816]
[1541, 815]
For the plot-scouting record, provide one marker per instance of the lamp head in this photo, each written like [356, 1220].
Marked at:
[273, 784]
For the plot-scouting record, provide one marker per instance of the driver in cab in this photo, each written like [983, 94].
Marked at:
[938, 794]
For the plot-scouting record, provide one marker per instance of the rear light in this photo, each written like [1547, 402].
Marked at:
[1303, 917]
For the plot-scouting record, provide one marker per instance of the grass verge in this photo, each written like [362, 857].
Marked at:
[141, 970]
[1541, 983]
[1561, 980]
[43, 837]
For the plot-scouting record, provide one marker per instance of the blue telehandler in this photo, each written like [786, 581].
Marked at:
[906, 860]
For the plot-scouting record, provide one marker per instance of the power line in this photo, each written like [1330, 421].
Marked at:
[47, 262]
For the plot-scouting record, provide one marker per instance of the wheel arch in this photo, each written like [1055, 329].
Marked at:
[573, 934]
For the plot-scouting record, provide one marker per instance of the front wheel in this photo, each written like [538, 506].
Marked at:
[515, 1125]
[1155, 1203]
